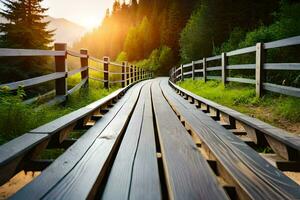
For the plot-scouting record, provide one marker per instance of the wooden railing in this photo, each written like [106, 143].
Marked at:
[130, 73]
[192, 69]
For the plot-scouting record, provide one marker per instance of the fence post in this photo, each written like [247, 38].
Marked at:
[138, 73]
[193, 70]
[259, 73]
[128, 73]
[135, 74]
[106, 72]
[204, 70]
[124, 77]
[85, 63]
[60, 66]
[224, 66]
[131, 74]
[174, 74]
[182, 76]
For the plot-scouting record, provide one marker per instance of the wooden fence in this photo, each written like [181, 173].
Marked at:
[191, 70]
[129, 74]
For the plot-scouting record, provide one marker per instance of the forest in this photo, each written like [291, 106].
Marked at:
[160, 34]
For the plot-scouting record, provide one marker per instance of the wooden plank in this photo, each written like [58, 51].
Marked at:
[279, 134]
[29, 52]
[214, 77]
[34, 81]
[64, 121]
[136, 156]
[96, 60]
[85, 148]
[290, 91]
[282, 66]
[13, 152]
[244, 66]
[241, 51]
[180, 156]
[76, 54]
[198, 62]
[78, 86]
[214, 68]
[218, 57]
[257, 178]
[76, 71]
[283, 43]
[240, 80]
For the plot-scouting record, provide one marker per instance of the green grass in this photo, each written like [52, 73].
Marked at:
[17, 118]
[279, 110]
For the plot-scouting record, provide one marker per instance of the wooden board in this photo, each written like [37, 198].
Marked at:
[257, 178]
[188, 175]
[136, 157]
[63, 165]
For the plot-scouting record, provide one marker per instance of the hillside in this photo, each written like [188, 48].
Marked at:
[66, 31]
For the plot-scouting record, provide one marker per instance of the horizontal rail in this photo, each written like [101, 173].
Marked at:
[214, 68]
[199, 71]
[98, 70]
[291, 91]
[116, 64]
[76, 71]
[241, 51]
[198, 62]
[76, 54]
[214, 58]
[187, 65]
[214, 77]
[120, 81]
[282, 66]
[98, 79]
[96, 60]
[78, 86]
[244, 66]
[29, 52]
[187, 73]
[283, 43]
[34, 81]
[241, 80]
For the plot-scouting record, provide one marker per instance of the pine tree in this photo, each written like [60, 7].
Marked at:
[26, 27]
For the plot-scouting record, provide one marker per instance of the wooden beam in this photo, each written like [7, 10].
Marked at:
[60, 66]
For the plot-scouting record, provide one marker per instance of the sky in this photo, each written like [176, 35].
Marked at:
[88, 13]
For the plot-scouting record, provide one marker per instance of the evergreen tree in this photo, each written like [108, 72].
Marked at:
[26, 27]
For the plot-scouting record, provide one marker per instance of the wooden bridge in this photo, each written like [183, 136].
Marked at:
[154, 140]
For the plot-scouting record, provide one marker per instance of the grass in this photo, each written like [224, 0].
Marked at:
[278, 110]
[17, 118]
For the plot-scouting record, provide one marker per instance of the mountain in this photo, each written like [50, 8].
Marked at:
[65, 30]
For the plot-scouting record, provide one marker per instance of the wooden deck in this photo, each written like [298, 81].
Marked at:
[154, 140]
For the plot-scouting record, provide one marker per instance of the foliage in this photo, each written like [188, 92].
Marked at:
[278, 110]
[16, 118]
[158, 61]
[213, 21]
[138, 29]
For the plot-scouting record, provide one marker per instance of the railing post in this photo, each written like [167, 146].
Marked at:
[193, 70]
[204, 70]
[106, 72]
[182, 76]
[84, 63]
[60, 66]
[128, 74]
[138, 73]
[124, 75]
[135, 74]
[259, 72]
[224, 66]
[131, 74]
